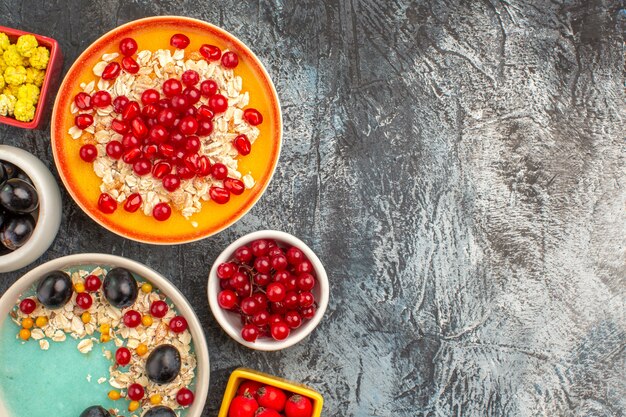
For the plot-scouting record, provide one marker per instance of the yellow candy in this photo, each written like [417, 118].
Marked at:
[24, 110]
[79, 287]
[26, 44]
[155, 399]
[28, 92]
[114, 395]
[41, 321]
[4, 41]
[85, 317]
[12, 57]
[39, 58]
[146, 320]
[146, 287]
[15, 75]
[142, 349]
[28, 323]
[35, 76]
[24, 334]
[133, 405]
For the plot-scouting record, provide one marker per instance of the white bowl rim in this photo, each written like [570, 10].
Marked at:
[50, 208]
[268, 344]
[8, 299]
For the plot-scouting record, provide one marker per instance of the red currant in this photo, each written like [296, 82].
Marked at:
[238, 280]
[276, 292]
[243, 254]
[293, 319]
[28, 305]
[171, 182]
[128, 46]
[208, 88]
[262, 264]
[122, 356]
[180, 103]
[92, 283]
[279, 262]
[158, 134]
[250, 332]
[106, 203]
[172, 87]
[279, 331]
[262, 279]
[306, 299]
[84, 300]
[114, 149]
[275, 318]
[210, 52]
[226, 270]
[133, 202]
[259, 247]
[291, 300]
[304, 267]
[230, 59]
[294, 256]
[305, 281]
[261, 318]
[193, 96]
[218, 103]
[249, 306]
[219, 171]
[178, 324]
[158, 309]
[142, 167]
[88, 153]
[278, 307]
[179, 41]
[188, 125]
[132, 318]
[308, 312]
[227, 299]
[162, 211]
[150, 96]
[166, 117]
[184, 397]
[190, 77]
[119, 103]
[135, 392]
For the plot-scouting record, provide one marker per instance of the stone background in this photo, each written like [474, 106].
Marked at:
[459, 168]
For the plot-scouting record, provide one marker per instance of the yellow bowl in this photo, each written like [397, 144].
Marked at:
[240, 375]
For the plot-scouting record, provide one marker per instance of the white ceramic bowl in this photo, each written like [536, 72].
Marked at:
[230, 321]
[50, 209]
[7, 302]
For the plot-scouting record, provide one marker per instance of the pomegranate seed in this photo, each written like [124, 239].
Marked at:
[172, 87]
[188, 125]
[142, 166]
[88, 153]
[218, 103]
[191, 111]
[250, 333]
[161, 169]
[131, 111]
[131, 318]
[280, 330]
[150, 111]
[208, 88]
[119, 126]
[135, 392]
[131, 155]
[227, 299]
[133, 202]
[92, 283]
[190, 77]
[230, 59]
[205, 127]
[111, 71]
[83, 101]
[84, 300]
[219, 195]
[210, 52]
[128, 46]
[150, 96]
[159, 309]
[184, 397]
[178, 324]
[242, 144]
[177, 139]
[293, 319]
[179, 41]
[150, 151]
[193, 95]
[107, 204]
[166, 150]
[192, 144]
[235, 186]
[83, 121]
[219, 171]
[151, 122]
[176, 123]
[253, 116]
[203, 166]
[120, 103]
[171, 182]
[191, 161]
[130, 65]
[129, 141]
[205, 113]
[166, 117]
[139, 128]
[180, 103]
[158, 134]
[122, 356]
[28, 305]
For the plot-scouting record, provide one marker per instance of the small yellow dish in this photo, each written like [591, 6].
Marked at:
[240, 375]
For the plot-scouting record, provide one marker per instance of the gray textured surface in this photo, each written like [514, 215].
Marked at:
[457, 165]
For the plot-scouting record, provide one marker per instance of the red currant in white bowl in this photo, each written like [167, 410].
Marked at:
[268, 290]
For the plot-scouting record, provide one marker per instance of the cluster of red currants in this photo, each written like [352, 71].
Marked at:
[257, 400]
[270, 287]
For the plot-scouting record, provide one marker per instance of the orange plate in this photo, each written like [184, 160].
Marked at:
[240, 375]
[82, 183]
